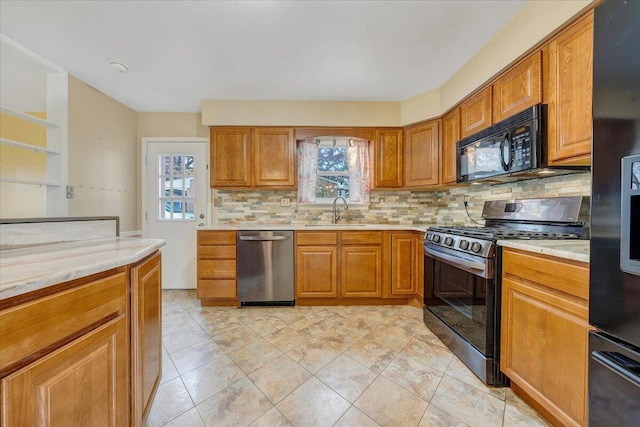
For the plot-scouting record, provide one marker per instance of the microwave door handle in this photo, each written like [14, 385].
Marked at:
[506, 164]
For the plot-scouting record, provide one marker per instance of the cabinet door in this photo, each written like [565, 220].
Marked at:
[146, 335]
[387, 160]
[418, 240]
[230, 161]
[475, 113]
[274, 158]
[422, 155]
[518, 89]
[450, 137]
[570, 95]
[361, 268]
[403, 264]
[84, 383]
[316, 271]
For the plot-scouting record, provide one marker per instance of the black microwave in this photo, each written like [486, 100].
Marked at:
[512, 149]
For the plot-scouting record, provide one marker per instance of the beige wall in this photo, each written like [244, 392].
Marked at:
[102, 155]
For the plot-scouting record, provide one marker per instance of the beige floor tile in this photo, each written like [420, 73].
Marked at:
[355, 418]
[458, 370]
[169, 371]
[313, 404]
[390, 405]
[191, 418]
[291, 315]
[419, 379]
[371, 354]
[272, 418]
[358, 325]
[184, 338]
[427, 336]
[313, 355]
[339, 338]
[279, 378]
[429, 354]
[518, 414]
[468, 404]
[314, 326]
[207, 380]
[394, 337]
[171, 401]
[434, 417]
[236, 338]
[178, 325]
[347, 377]
[238, 405]
[196, 355]
[287, 338]
[254, 355]
[221, 325]
[412, 312]
[267, 325]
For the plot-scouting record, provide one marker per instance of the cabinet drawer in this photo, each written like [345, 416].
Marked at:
[361, 237]
[207, 237]
[217, 269]
[217, 252]
[216, 288]
[314, 238]
[563, 275]
[33, 326]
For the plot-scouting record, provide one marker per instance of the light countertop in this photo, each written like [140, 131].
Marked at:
[577, 250]
[30, 269]
[309, 227]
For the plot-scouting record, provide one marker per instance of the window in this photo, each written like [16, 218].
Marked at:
[177, 189]
[330, 167]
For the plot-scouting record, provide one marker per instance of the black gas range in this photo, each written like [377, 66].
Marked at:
[463, 266]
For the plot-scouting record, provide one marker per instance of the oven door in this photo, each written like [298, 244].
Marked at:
[462, 299]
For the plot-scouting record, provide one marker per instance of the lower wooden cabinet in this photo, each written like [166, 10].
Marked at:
[217, 269]
[361, 268]
[545, 333]
[403, 264]
[316, 271]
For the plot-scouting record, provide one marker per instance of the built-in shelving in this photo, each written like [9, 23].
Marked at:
[35, 148]
[28, 117]
[30, 182]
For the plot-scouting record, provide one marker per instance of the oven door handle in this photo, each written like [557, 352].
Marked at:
[456, 261]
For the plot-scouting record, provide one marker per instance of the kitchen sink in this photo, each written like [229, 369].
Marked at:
[335, 225]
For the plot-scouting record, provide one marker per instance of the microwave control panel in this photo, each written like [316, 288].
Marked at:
[521, 150]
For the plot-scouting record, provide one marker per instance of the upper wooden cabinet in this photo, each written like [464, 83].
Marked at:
[450, 137]
[475, 113]
[273, 158]
[252, 157]
[422, 155]
[569, 93]
[387, 158]
[518, 89]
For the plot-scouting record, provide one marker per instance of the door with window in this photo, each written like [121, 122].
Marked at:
[175, 196]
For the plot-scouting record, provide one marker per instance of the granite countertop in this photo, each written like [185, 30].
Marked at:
[312, 227]
[29, 269]
[577, 250]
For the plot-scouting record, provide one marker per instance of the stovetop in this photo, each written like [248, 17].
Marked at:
[497, 233]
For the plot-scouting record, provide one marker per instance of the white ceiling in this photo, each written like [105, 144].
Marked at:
[182, 52]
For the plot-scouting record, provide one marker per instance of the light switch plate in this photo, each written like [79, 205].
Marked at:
[69, 192]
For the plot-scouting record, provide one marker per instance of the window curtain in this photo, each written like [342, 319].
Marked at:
[307, 170]
[359, 170]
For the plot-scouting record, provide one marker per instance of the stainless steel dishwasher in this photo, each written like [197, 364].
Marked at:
[265, 267]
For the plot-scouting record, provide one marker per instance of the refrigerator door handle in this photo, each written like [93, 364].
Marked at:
[619, 364]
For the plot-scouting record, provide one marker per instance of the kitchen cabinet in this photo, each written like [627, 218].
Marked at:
[519, 88]
[146, 336]
[569, 94]
[450, 138]
[545, 333]
[316, 264]
[252, 158]
[475, 113]
[216, 265]
[404, 258]
[65, 355]
[422, 155]
[418, 241]
[387, 158]
[361, 264]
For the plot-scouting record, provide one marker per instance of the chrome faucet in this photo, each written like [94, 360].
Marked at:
[336, 212]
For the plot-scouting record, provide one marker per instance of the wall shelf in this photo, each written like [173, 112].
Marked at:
[30, 182]
[36, 148]
[28, 117]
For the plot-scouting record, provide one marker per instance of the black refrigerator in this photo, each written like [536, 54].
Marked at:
[614, 300]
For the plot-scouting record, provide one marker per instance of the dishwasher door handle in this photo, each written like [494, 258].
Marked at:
[263, 238]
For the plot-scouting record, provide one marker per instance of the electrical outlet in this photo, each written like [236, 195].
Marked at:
[69, 192]
[285, 202]
[381, 200]
[466, 198]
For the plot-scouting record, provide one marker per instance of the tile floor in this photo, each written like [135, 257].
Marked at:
[317, 366]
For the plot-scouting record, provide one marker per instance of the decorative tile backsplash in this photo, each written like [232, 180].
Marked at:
[445, 206]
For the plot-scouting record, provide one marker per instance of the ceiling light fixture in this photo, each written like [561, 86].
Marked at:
[121, 68]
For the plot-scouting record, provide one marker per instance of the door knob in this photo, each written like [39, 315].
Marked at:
[201, 216]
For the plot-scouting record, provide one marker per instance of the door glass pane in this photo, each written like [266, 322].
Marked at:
[188, 165]
[176, 182]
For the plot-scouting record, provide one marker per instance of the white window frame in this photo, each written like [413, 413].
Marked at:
[342, 143]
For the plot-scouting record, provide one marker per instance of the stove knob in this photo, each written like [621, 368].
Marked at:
[464, 244]
[448, 241]
[436, 238]
[476, 247]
